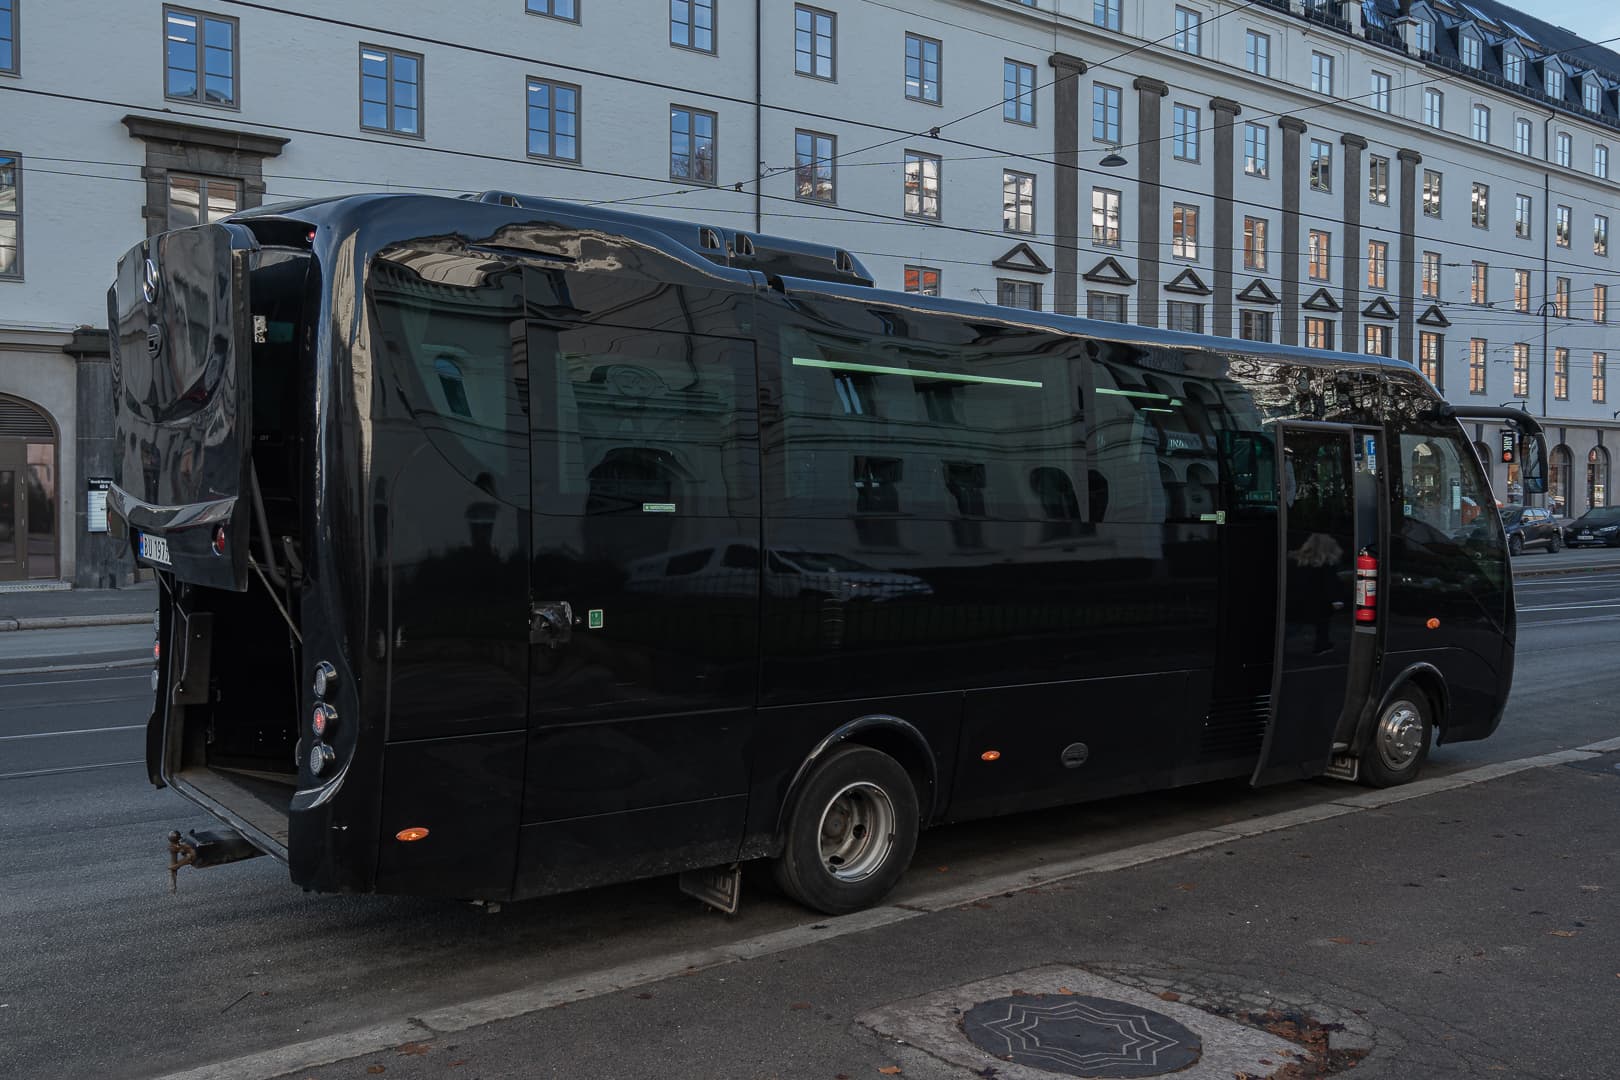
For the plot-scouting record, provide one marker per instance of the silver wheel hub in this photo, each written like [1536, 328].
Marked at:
[1400, 735]
[857, 831]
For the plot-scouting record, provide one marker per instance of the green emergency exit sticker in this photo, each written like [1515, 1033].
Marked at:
[593, 618]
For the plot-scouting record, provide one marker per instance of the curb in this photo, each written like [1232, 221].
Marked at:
[1562, 571]
[64, 622]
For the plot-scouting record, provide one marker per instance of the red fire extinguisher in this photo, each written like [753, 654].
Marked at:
[1366, 587]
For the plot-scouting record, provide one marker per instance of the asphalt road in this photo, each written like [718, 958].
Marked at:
[105, 973]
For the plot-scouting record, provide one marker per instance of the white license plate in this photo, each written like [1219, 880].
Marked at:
[154, 548]
[1585, 536]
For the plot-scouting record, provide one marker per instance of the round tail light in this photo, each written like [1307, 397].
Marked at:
[219, 540]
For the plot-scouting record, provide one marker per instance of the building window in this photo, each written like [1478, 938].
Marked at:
[1377, 265]
[1321, 165]
[922, 185]
[691, 24]
[1254, 243]
[1521, 370]
[813, 31]
[1600, 234]
[1429, 346]
[199, 54]
[8, 37]
[692, 152]
[1017, 92]
[1513, 68]
[1564, 149]
[199, 200]
[1561, 374]
[1431, 275]
[1521, 216]
[922, 69]
[1561, 223]
[553, 121]
[923, 280]
[1480, 206]
[1321, 255]
[1379, 97]
[813, 155]
[1184, 132]
[1561, 297]
[1257, 53]
[1378, 180]
[1476, 365]
[1254, 325]
[1423, 32]
[1600, 303]
[1017, 202]
[1590, 95]
[10, 215]
[1471, 50]
[1600, 377]
[1521, 136]
[1256, 149]
[1600, 161]
[1476, 285]
[1105, 13]
[1555, 83]
[1481, 129]
[1181, 315]
[1184, 231]
[1105, 113]
[1018, 294]
[556, 9]
[1187, 28]
[1318, 333]
[1109, 307]
[391, 91]
[1434, 107]
[1376, 340]
[1105, 217]
[1521, 290]
[1322, 73]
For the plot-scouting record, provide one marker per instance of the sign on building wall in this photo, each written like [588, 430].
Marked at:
[95, 504]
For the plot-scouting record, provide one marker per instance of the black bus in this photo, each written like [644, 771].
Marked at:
[509, 546]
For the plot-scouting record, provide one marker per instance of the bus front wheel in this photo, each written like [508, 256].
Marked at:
[851, 832]
[1398, 744]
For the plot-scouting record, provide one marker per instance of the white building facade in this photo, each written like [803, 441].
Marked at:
[1430, 181]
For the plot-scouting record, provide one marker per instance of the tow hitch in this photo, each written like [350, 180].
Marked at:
[206, 849]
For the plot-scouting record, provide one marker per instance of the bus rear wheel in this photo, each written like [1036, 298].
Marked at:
[1398, 744]
[851, 832]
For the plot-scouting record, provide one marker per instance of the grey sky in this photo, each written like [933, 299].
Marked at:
[1594, 20]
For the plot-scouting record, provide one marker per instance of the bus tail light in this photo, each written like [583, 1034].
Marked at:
[415, 832]
[1366, 588]
[219, 540]
[322, 720]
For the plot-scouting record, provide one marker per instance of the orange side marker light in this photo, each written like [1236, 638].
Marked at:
[415, 832]
[990, 755]
[1433, 624]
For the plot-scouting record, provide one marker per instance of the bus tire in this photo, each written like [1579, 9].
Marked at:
[1398, 744]
[851, 832]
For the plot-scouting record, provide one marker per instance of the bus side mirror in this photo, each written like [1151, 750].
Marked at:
[1533, 467]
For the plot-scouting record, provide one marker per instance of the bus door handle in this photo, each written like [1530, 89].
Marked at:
[551, 623]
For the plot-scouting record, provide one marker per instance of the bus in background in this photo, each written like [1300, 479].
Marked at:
[509, 547]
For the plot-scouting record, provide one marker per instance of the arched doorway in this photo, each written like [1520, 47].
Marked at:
[1597, 477]
[1560, 466]
[29, 483]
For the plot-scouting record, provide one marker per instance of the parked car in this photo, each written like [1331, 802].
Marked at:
[1599, 527]
[1531, 526]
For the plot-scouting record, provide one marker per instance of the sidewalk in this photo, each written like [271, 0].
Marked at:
[77, 607]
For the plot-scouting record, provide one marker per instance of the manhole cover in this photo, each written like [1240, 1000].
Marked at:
[1081, 1036]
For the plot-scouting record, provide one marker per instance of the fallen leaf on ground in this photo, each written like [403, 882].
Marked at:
[1562, 933]
[942, 869]
[415, 1049]
[1369, 942]
[1339, 940]
[890, 1070]
[1169, 995]
[376, 1070]
[1186, 886]
[800, 1005]
[1065, 990]
[644, 997]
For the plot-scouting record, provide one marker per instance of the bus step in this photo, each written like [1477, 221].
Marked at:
[1344, 767]
[718, 886]
[202, 849]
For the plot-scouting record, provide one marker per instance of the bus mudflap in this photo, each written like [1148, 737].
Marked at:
[181, 343]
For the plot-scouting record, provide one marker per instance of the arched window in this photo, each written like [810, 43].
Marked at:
[1559, 467]
[1597, 477]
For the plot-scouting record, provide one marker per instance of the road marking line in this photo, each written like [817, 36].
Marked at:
[68, 769]
[54, 669]
[387, 1035]
[80, 731]
[67, 682]
[80, 701]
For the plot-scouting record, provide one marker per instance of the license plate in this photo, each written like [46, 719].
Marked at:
[1584, 536]
[154, 548]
